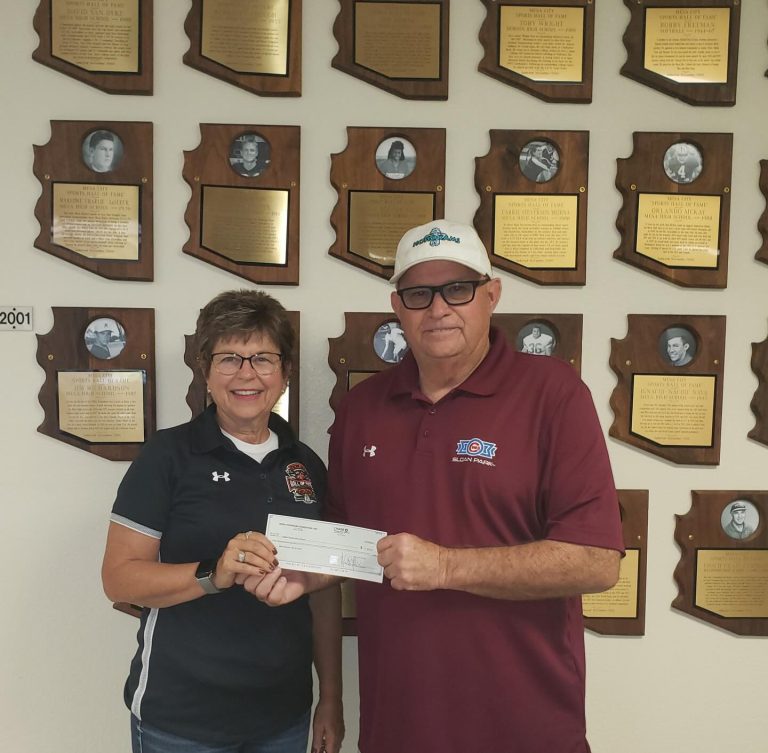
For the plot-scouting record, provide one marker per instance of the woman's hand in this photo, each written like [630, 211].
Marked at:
[249, 554]
[328, 726]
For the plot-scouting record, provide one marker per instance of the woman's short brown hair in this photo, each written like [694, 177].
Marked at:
[242, 313]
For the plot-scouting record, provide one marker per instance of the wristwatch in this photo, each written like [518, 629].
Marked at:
[204, 574]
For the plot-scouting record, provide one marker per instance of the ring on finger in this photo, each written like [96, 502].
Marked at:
[247, 534]
[241, 556]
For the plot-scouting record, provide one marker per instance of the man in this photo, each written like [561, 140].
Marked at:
[679, 346]
[738, 528]
[101, 151]
[537, 343]
[100, 346]
[250, 165]
[491, 477]
[394, 345]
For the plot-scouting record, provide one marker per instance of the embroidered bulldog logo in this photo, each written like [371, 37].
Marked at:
[300, 484]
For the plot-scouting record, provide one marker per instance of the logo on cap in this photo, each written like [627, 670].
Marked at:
[434, 236]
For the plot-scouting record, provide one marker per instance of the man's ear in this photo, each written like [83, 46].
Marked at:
[396, 302]
[493, 289]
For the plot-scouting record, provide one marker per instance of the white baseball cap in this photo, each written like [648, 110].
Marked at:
[441, 240]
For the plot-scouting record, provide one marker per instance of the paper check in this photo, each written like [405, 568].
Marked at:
[315, 546]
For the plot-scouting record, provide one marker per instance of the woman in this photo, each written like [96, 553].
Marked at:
[216, 670]
[395, 165]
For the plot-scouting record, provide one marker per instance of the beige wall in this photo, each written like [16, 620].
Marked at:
[64, 653]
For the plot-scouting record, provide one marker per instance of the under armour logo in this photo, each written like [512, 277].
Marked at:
[217, 476]
[369, 452]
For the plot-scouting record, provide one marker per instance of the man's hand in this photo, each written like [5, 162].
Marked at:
[411, 563]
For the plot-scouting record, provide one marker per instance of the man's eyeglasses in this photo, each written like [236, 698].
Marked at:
[455, 293]
[264, 364]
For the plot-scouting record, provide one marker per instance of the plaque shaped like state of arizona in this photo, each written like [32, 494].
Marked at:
[669, 396]
[759, 403]
[543, 48]
[400, 46]
[675, 218]
[722, 575]
[688, 49]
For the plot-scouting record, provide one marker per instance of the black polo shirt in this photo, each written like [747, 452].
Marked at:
[224, 667]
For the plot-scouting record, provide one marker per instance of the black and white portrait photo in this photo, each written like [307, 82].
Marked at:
[102, 151]
[539, 161]
[389, 342]
[740, 519]
[536, 338]
[683, 162]
[395, 158]
[249, 155]
[677, 346]
[104, 338]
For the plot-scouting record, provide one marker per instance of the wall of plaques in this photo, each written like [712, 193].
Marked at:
[151, 162]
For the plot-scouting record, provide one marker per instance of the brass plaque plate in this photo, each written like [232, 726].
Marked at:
[102, 406]
[98, 221]
[542, 43]
[96, 36]
[732, 583]
[621, 600]
[378, 219]
[248, 36]
[679, 230]
[673, 411]
[537, 231]
[398, 40]
[247, 225]
[688, 45]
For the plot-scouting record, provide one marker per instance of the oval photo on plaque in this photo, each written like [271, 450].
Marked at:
[395, 158]
[104, 338]
[677, 346]
[389, 342]
[249, 155]
[539, 161]
[740, 519]
[683, 162]
[537, 338]
[102, 151]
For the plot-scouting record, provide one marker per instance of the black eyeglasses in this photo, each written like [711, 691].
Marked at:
[264, 364]
[455, 293]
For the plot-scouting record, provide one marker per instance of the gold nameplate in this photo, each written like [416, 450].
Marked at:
[732, 583]
[621, 600]
[679, 230]
[398, 40]
[248, 36]
[355, 377]
[379, 219]
[99, 221]
[96, 36]
[247, 225]
[542, 43]
[673, 411]
[536, 231]
[102, 406]
[688, 45]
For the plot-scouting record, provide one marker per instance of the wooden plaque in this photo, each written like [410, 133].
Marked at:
[543, 48]
[762, 225]
[287, 406]
[253, 44]
[380, 197]
[675, 217]
[400, 46]
[243, 215]
[722, 576]
[95, 208]
[688, 49]
[112, 53]
[533, 204]
[759, 403]
[669, 397]
[621, 609]
[99, 390]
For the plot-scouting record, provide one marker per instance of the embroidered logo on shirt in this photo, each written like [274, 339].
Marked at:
[299, 483]
[369, 452]
[218, 476]
[475, 451]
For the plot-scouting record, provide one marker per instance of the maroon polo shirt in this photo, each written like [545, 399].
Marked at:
[513, 455]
